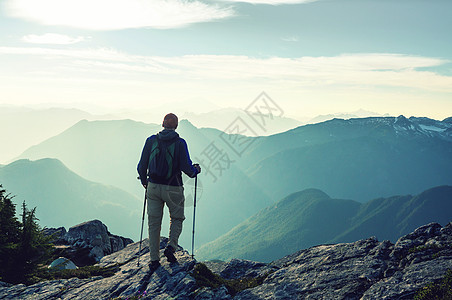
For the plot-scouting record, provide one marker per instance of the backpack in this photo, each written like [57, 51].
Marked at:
[161, 159]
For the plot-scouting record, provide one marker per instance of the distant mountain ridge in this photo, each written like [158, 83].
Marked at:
[360, 159]
[357, 159]
[26, 126]
[222, 118]
[311, 217]
[95, 149]
[361, 113]
[419, 126]
[63, 198]
[340, 129]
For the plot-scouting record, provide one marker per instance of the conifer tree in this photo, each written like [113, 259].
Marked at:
[9, 233]
[9, 225]
[23, 246]
[34, 247]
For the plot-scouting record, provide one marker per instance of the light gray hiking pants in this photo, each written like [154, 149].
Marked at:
[158, 195]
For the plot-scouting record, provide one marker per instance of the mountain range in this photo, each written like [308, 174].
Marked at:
[28, 126]
[361, 113]
[108, 152]
[63, 198]
[221, 118]
[24, 127]
[360, 159]
[310, 217]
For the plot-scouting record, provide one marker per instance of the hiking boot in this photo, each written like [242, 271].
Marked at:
[169, 253]
[154, 265]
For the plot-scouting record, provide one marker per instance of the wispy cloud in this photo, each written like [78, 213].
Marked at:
[290, 38]
[52, 38]
[273, 2]
[118, 14]
[367, 69]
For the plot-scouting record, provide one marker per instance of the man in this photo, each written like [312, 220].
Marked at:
[163, 158]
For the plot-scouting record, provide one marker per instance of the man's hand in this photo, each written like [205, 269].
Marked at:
[197, 167]
[144, 185]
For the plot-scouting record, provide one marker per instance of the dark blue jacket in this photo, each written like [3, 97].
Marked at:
[181, 161]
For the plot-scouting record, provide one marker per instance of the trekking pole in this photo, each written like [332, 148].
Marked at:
[142, 223]
[194, 214]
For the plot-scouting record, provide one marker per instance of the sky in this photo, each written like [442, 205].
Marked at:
[311, 57]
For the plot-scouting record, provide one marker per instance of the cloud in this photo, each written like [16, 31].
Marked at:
[118, 14]
[397, 83]
[52, 38]
[348, 70]
[273, 2]
[290, 38]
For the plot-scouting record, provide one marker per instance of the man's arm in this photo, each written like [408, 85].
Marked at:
[186, 164]
[142, 167]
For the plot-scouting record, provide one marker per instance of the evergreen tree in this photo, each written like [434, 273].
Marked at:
[9, 234]
[34, 247]
[9, 225]
[23, 246]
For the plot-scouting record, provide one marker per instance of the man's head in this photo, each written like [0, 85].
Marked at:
[170, 121]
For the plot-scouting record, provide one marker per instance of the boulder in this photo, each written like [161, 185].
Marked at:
[62, 263]
[86, 243]
[91, 234]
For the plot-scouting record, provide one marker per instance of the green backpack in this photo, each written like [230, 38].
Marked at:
[160, 165]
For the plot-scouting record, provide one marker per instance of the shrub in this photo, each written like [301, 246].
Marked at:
[437, 291]
[43, 274]
[206, 278]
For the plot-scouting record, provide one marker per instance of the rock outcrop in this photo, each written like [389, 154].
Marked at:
[366, 269]
[87, 243]
[130, 279]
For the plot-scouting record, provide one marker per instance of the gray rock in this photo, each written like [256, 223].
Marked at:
[207, 293]
[62, 263]
[417, 238]
[5, 284]
[366, 269]
[88, 242]
[131, 279]
[239, 268]
[92, 234]
[57, 234]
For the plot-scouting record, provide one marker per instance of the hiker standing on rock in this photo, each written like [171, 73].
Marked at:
[163, 159]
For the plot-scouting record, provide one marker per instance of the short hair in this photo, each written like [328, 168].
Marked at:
[170, 121]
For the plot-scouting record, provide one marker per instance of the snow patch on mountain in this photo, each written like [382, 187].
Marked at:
[432, 128]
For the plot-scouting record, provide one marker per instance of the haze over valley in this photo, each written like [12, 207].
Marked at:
[92, 164]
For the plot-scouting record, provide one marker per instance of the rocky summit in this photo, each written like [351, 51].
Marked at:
[366, 269]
